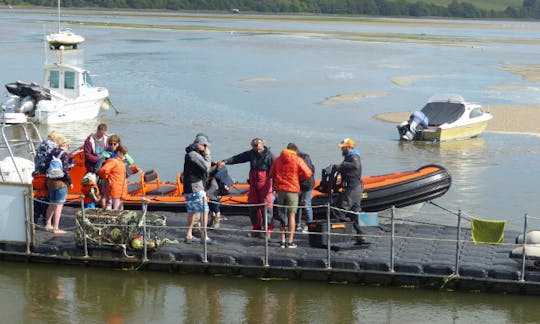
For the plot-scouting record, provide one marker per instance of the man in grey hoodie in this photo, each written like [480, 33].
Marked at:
[196, 166]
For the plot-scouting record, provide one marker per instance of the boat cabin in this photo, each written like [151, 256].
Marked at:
[67, 80]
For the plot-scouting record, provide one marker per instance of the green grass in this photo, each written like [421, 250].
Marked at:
[497, 5]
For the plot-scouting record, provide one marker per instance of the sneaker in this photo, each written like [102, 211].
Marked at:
[282, 245]
[299, 228]
[192, 240]
[292, 245]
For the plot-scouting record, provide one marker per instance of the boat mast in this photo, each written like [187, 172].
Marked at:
[59, 16]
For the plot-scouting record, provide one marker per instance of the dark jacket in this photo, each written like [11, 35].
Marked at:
[256, 162]
[351, 170]
[196, 167]
[308, 184]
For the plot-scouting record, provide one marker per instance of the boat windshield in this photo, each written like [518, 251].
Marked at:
[439, 113]
[87, 79]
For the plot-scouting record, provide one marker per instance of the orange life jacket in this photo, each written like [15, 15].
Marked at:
[86, 188]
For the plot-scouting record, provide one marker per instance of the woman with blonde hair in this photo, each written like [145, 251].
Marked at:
[57, 184]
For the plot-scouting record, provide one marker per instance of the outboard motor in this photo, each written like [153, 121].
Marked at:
[26, 105]
[418, 121]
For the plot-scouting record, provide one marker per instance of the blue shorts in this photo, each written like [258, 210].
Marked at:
[196, 202]
[91, 205]
[58, 196]
[214, 206]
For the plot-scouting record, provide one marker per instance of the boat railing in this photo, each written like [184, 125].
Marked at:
[390, 222]
[19, 140]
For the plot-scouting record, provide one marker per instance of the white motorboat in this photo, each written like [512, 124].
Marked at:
[444, 118]
[64, 38]
[66, 95]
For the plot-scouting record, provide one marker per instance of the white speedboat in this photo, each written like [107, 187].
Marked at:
[66, 95]
[64, 38]
[444, 118]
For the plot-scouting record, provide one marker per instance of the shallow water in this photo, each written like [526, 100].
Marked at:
[168, 85]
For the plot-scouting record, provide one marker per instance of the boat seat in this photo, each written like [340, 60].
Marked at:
[151, 184]
[135, 187]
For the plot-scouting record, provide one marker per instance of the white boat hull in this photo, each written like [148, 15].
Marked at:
[67, 95]
[56, 111]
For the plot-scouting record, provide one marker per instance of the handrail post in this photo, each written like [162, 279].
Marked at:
[29, 222]
[204, 221]
[83, 225]
[523, 254]
[392, 239]
[458, 243]
[328, 240]
[145, 238]
[265, 216]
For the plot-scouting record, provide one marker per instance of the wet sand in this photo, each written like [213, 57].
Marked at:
[520, 119]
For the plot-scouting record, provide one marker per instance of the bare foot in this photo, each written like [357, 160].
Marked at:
[59, 231]
[49, 228]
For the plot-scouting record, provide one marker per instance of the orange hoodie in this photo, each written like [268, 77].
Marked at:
[287, 171]
[114, 171]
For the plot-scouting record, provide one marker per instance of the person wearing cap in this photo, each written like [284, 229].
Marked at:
[351, 180]
[260, 159]
[197, 163]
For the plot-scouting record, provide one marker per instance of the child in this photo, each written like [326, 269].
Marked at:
[90, 190]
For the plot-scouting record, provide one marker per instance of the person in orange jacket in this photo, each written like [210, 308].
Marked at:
[287, 171]
[114, 171]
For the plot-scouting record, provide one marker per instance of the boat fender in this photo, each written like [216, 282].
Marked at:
[533, 237]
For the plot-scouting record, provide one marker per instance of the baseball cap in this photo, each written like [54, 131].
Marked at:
[346, 142]
[201, 140]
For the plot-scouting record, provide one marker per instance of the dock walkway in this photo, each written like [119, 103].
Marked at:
[424, 255]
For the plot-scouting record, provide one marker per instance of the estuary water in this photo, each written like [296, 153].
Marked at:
[308, 82]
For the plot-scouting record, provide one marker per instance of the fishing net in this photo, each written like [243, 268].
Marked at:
[110, 227]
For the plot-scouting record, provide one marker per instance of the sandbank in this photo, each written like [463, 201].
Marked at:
[337, 99]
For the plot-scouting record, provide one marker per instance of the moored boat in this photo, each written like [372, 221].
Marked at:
[67, 94]
[64, 37]
[399, 189]
[443, 118]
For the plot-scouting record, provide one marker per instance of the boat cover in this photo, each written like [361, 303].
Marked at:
[439, 113]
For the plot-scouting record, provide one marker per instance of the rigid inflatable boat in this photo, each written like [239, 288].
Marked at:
[398, 189]
[381, 192]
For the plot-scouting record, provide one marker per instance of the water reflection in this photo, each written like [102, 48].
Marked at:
[47, 293]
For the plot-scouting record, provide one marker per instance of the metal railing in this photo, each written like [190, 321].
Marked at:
[329, 234]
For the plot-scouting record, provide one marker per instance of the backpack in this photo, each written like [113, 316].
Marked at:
[329, 181]
[55, 169]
